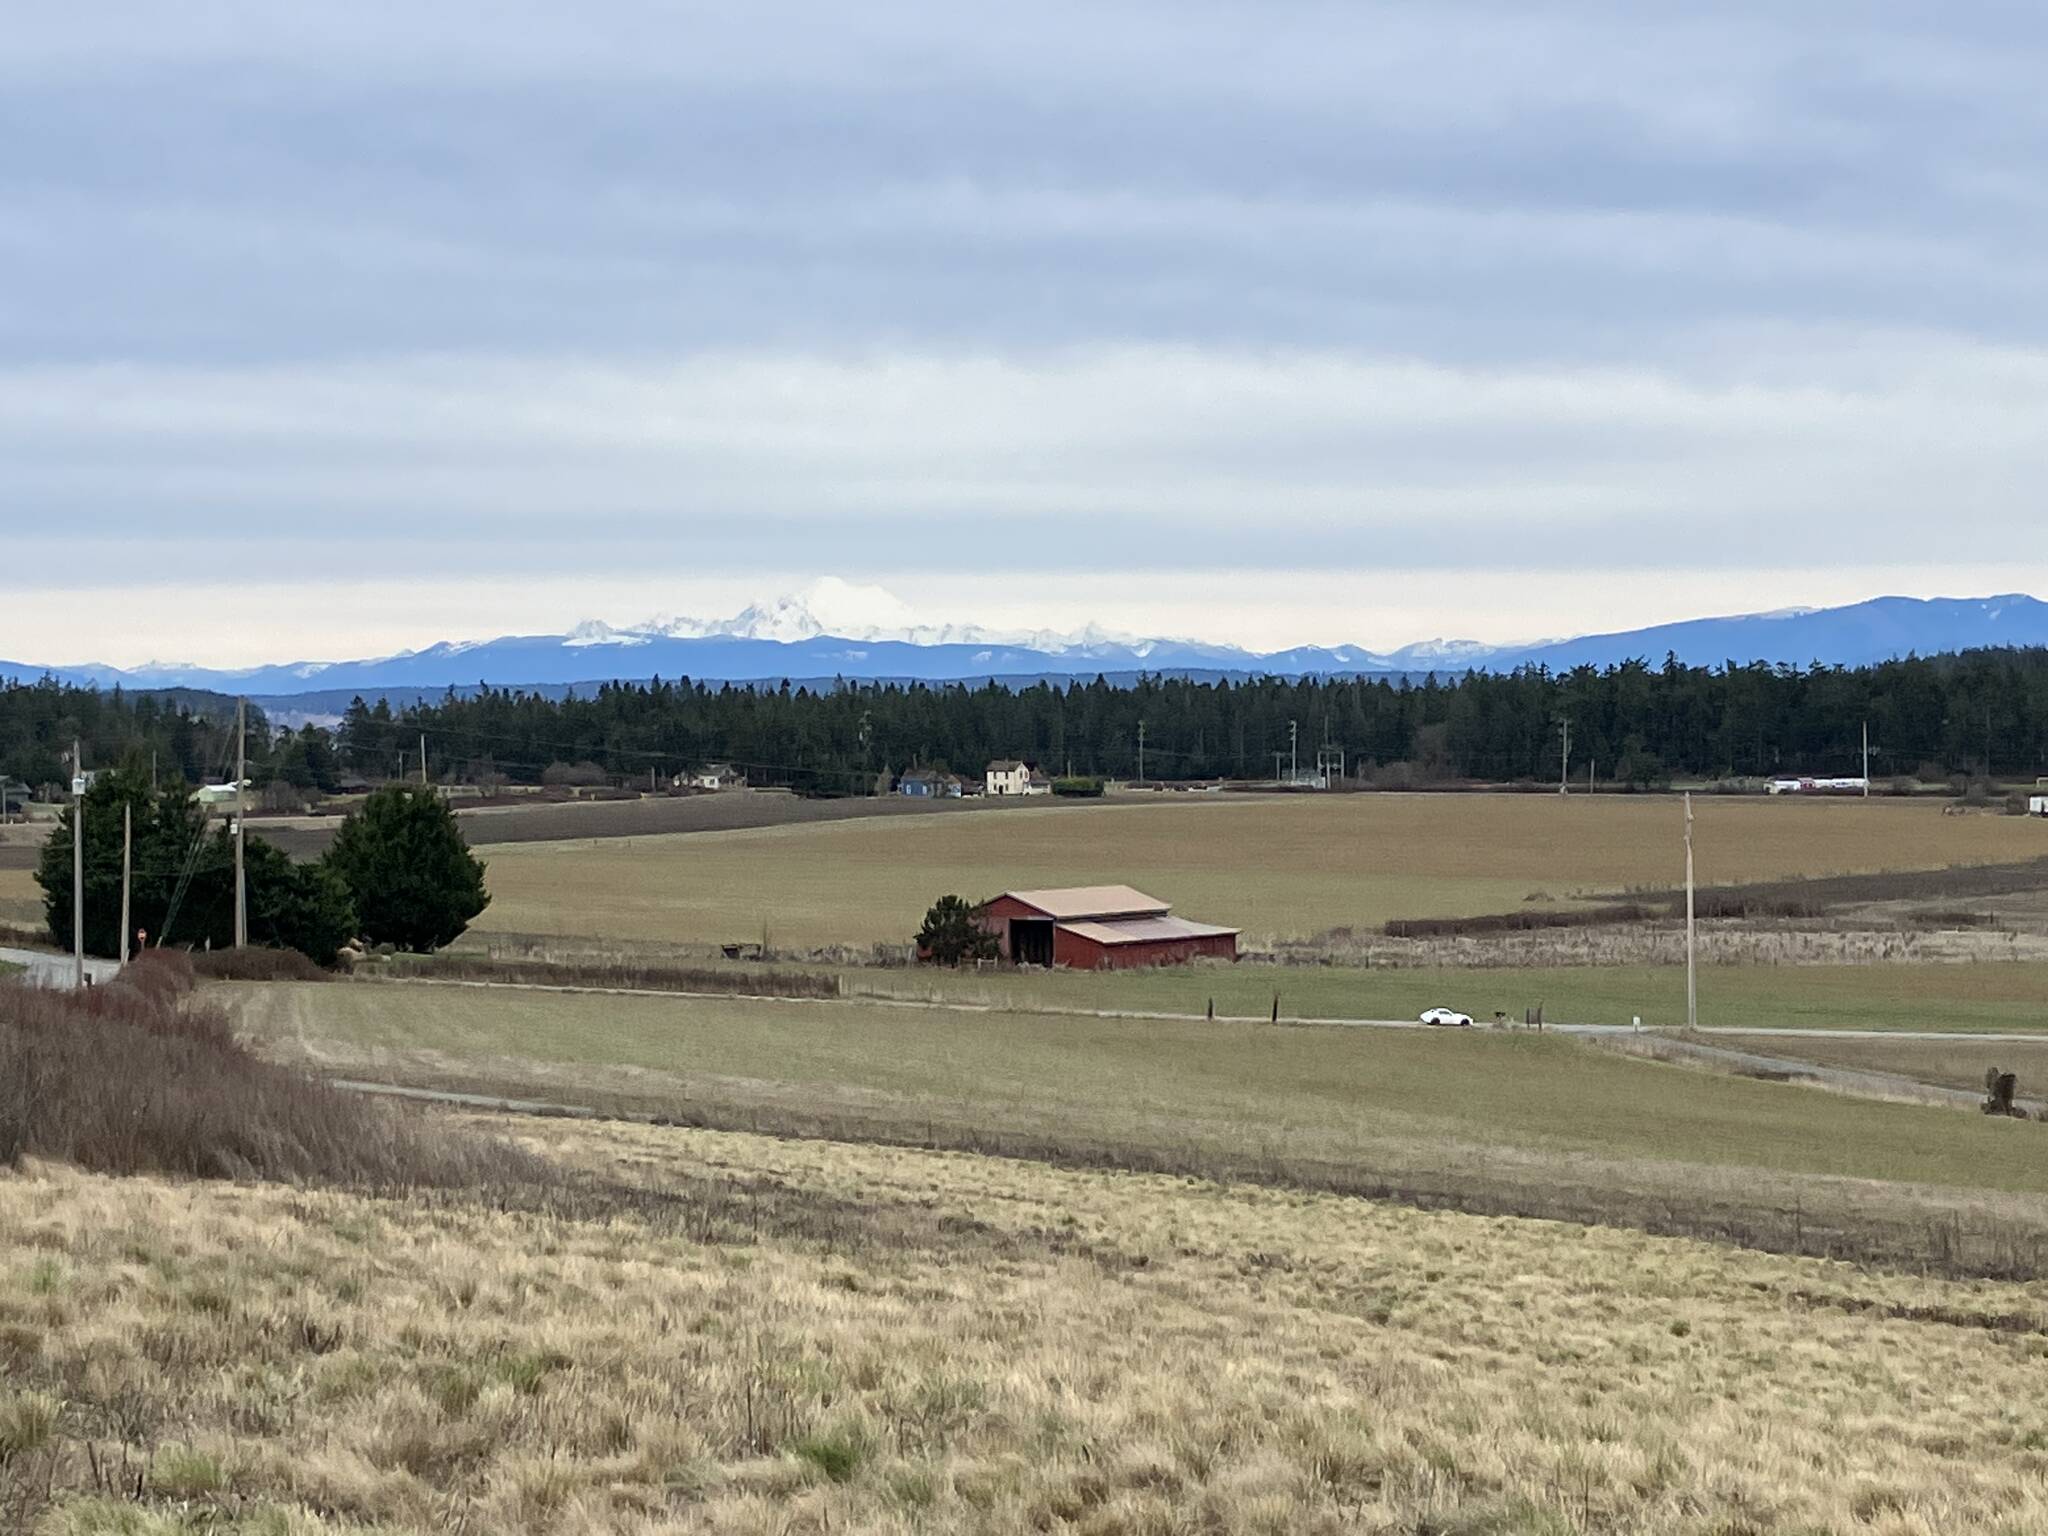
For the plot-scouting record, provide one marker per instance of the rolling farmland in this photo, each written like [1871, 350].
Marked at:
[1520, 1123]
[1278, 867]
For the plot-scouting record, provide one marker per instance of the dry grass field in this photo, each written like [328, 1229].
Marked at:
[21, 899]
[1276, 866]
[1515, 1122]
[742, 1335]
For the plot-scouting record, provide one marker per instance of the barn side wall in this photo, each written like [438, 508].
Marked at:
[996, 915]
[1083, 954]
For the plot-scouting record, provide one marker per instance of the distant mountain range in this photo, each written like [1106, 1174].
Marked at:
[836, 630]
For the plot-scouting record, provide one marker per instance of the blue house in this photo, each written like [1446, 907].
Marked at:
[928, 784]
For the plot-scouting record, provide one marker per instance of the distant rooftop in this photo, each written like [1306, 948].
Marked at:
[1079, 901]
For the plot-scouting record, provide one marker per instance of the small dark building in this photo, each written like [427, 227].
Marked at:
[1099, 927]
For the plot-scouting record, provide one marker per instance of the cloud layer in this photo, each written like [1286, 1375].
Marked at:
[723, 295]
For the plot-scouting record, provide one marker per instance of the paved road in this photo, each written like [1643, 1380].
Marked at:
[49, 969]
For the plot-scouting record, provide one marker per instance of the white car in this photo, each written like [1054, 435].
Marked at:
[1448, 1016]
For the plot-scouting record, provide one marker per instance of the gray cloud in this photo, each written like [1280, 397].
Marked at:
[539, 289]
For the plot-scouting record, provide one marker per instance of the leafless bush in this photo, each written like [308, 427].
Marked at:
[256, 964]
[278, 798]
[633, 975]
[572, 774]
[1512, 922]
[134, 1077]
[1736, 902]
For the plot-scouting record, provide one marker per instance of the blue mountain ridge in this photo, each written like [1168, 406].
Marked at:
[1854, 635]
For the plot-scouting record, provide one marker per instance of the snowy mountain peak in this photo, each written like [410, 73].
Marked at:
[832, 607]
[597, 632]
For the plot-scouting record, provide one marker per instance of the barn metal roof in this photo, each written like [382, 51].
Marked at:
[1076, 901]
[1144, 930]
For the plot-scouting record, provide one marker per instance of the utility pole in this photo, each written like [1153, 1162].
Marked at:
[1564, 769]
[1692, 975]
[127, 869]
[77, 865]
[423, 759]
[1276, 767]
[241, 821]
[1866, 759]
[1141, 751]
[1293, 758]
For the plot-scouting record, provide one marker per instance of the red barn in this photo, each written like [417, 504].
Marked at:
[1099, 927]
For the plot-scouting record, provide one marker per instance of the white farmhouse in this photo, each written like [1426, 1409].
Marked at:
[1005, 777]
[718, 776]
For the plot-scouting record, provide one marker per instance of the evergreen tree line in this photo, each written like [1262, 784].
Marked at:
[1981, 713]
[1978, 713]
[175, 734]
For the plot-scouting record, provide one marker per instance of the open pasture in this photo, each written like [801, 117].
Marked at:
[1276, 866]
[1520, 1122]
[757, 1336]
[1997, 996]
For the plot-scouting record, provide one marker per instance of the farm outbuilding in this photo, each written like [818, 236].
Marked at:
[1099, 927]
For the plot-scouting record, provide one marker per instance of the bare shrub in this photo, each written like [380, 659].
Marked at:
[256, 964]
[1512, 922]
[1738, 902]
[134, 1077]
[631, 975]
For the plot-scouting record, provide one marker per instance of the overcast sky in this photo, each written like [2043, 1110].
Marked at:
[329, 330]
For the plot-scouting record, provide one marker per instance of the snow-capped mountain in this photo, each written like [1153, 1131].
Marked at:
[837, 629]
[831, 606]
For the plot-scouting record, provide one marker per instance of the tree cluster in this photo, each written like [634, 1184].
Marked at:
[182, 890]
[398, 872]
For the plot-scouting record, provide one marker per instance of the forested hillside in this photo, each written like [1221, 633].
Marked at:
[1950, 714]
[1979, 713]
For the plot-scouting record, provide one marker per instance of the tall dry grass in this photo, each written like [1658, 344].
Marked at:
[139, 1077]
[898, 1342]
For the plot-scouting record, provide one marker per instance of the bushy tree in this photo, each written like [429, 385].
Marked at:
[951, 935]
[406, 867]
[297, 906]
[183, 888]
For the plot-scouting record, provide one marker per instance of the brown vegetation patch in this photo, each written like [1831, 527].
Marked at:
[620, 974]
[135, 1077]
[1517, 922]
[255, 964]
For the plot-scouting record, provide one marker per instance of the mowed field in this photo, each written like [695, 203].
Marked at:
[730, 1333]
[1996, 996]
[1275, 866]
[1512, 1122]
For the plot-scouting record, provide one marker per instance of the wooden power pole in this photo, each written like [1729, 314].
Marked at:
[241, 821]
[77, 864]
[1692, 975]
[127, 870]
